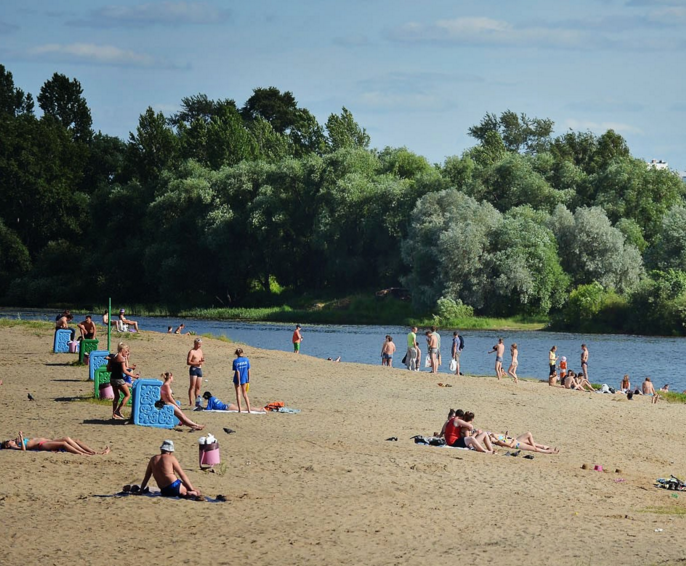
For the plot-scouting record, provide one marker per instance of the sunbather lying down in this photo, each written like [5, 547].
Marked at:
[522, 442]
[65, 444]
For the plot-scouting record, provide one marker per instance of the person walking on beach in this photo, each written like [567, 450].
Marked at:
[164, 468]
[194, 361]
[512, 371]
[387, 351]
[297, 339]
[241, 378]
[552, 362]
[411, 355]
[584, 361]
[458, 346]
[499, 350]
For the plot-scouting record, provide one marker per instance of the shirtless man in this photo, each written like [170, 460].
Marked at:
[63, 323]
[164, 468]
[584, 361]
[387, 351]
[432, 343]
[499, 350]
[124, 320]
[194, 360]
[648, 389]
[88, 328]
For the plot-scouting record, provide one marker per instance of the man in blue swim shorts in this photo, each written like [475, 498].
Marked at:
[164, 468]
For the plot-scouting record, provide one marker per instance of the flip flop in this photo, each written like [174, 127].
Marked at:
[393, 439]
[529, 457]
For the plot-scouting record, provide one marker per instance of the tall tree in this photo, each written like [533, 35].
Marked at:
[63, 99]
[343, 131]
[518, 132]
[13, 101]
[153, 147]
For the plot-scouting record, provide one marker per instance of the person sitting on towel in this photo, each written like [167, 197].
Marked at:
[165, 468]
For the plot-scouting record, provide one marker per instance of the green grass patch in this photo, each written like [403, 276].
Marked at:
[672, 396]
[32, 324]
[221, 338]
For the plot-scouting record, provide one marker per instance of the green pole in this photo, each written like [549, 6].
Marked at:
[109, 324]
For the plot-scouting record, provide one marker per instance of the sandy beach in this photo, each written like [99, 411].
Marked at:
[324, 486]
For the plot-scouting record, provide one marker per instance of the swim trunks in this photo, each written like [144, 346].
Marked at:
[296, 346]
[499, 359]
[195, 371]
[433, 350]
[90, 335]
[459, 443]
[386, 356]
[172, 490]
[117, 381]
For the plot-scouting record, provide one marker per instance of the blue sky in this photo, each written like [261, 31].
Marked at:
[413, 73]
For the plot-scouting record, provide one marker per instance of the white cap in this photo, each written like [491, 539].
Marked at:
[167, 446]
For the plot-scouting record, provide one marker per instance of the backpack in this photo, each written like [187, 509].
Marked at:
[461, 342]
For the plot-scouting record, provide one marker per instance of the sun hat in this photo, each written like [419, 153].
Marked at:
[167, 446]
[122, 310]
[564, 359]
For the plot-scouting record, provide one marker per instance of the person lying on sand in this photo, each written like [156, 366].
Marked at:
[164, 467]
[522, 442]
[167, 397]
[65, 444]
[214, 404]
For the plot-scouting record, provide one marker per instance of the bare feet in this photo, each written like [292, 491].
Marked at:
[117, 417]
[198, 427]
[105, 451]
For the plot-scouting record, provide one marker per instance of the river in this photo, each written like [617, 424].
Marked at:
[610, 356]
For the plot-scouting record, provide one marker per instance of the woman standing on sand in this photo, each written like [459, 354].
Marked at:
[552, 362]
[120, 377]
[65, 444]
[512, 370]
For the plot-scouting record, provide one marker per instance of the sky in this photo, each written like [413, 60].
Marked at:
[413, 73]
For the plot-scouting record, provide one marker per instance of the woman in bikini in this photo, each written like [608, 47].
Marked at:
[522, 442]
[65, 444]
[168, 397]
[625, 386]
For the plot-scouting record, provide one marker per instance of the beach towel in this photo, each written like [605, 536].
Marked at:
[218, 411]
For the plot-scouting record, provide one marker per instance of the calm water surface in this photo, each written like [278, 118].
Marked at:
[610, 356]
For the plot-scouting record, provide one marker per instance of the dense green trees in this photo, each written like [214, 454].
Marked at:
[220, 203]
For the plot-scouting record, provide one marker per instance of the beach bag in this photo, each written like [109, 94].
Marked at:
[461, 342]
[427, 361]
[453, 365]
[404, 362]
[274, 406]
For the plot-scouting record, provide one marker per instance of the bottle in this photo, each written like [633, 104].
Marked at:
[198, 401]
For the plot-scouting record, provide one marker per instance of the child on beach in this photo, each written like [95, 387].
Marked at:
[563, 369]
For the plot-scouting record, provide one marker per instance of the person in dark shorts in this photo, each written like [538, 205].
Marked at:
[194, 360]
[165, 468]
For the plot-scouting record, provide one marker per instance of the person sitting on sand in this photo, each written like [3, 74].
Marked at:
[65, 444]
[625, 386]
[458, 434]
[459, 413]
[570, 380]
[123, 320]
[167, 397]
[120, 378]
[522, 442]
[648, 389]
[665, 387]
[583, 384]
[164, 467]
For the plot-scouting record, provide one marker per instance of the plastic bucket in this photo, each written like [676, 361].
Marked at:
[73, 346]
[209, 454]
[106, 391]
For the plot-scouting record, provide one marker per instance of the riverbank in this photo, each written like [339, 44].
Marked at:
[325, 484]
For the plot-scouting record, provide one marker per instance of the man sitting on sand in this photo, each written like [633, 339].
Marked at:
[164, 468]
[88, 328]
[649, 389]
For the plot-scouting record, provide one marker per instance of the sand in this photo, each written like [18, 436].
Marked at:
[323, 486]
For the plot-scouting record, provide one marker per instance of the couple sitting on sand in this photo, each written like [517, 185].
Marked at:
[576, 381]
[459, 432]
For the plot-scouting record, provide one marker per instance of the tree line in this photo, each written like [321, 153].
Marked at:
[226, 205]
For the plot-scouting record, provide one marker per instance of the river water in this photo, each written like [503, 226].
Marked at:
[610, 356]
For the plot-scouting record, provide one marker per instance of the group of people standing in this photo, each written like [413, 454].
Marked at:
[413, 355]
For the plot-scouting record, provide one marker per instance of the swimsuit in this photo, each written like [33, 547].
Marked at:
[195, 371]
[499, 359]
[173, 490]
[386, 356]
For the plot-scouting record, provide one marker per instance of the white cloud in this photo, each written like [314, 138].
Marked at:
[92, 54]
[160, 13]
[601, 127]
[488, 31]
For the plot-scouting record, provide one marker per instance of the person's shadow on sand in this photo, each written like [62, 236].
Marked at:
[106, 422]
